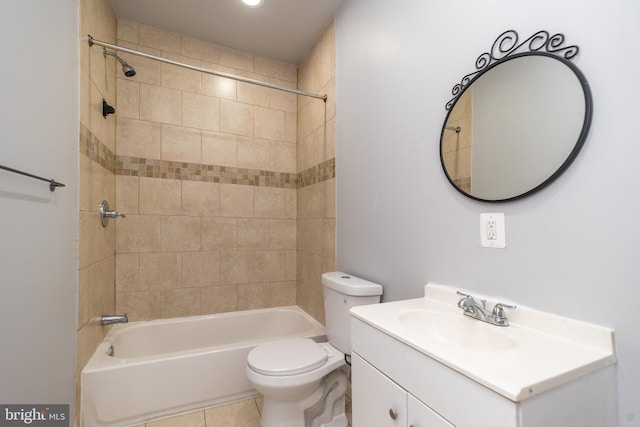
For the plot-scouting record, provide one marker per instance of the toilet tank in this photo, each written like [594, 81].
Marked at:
[341, 292]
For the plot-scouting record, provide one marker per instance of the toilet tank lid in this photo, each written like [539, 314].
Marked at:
[350, 285]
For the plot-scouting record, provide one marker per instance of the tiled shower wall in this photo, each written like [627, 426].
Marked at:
[96, 294]
[316, 164]
[207, 173]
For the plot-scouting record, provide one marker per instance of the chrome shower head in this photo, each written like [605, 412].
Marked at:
[126, 68]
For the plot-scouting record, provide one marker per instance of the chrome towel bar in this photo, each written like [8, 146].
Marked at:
[52, 183]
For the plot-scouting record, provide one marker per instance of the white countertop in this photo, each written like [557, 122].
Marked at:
[549, 350]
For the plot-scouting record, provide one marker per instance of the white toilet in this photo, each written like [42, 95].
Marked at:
[304, 382]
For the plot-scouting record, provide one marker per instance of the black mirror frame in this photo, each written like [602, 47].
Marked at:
[506, 48]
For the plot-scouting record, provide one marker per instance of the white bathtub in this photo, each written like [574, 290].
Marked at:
[168, 366]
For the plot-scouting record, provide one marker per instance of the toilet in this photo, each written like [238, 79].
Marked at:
[304, 382]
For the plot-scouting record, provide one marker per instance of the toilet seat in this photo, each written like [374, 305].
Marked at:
[292, 356]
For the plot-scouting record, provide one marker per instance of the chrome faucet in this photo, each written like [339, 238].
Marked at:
[112, 318]
[471, 308]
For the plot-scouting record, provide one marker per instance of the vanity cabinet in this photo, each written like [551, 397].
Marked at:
[383, 403]
[396, 385]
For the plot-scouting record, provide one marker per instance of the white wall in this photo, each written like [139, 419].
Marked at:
[572, 249]
[38, 229]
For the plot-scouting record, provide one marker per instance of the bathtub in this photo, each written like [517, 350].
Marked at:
[164, 367]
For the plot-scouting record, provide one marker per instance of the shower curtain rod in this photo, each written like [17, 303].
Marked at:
[93, 41]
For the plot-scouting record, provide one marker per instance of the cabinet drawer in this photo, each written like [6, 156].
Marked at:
[377, 401]
[420, 415]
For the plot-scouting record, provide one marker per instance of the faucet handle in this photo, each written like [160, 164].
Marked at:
[466, 303]
[464, 295]
[498, 310]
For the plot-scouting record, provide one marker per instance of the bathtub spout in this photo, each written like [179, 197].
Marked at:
[110, 319]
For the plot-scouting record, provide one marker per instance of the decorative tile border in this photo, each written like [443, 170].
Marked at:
[322, 172]
[167, 169]
[93, 148]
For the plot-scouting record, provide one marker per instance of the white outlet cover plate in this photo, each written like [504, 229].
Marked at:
[499, 242]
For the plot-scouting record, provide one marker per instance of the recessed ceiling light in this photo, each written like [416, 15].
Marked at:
[252, 3]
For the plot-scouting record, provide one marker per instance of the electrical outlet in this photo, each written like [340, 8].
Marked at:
[492, 230]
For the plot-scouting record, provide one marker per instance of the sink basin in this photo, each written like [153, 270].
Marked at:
[456, 330]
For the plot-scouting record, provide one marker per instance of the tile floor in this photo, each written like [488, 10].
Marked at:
[245, 413]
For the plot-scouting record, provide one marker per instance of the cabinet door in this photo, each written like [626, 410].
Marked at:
[376, 400]
[420, 415]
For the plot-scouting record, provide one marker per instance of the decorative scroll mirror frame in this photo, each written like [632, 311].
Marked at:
[507, 48]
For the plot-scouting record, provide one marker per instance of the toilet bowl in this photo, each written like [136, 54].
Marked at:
[304, 382]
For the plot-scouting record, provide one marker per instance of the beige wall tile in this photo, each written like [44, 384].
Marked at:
[138, 138]
[160, 271]
[220, 87]
[219, 233]
[253, 233]
[160, 39]
[270, 266]
[282, 294]
[328, 237]
[138, 233]
[236, 59]
[269, 123]
[200, 111]
[128, 99]
[127, 272]
[127, 194]
[96, 184]
[181, 144]
[175, 77]
[253, 94]
[139, 305]
[290, 203]
[292, 265]
[128, 30]
[283, 234]
[281, 100]
[180, 302]
[236, 200]
[253, 153]
[252, 296]
[95, 241]
[275, 69]
[159, 104]
[200, 269]
[200, 198]
[219, 299]
[160, 196]
[180, 233]
[219, 149]
[290, 127]
[84, 308]
[236, 118]
[269, 202]
[200, 49]
[282, 157]
[236, 267]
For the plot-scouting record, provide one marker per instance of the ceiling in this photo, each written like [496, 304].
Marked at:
[280, 29]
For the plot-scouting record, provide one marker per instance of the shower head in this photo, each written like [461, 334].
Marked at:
[126, 68]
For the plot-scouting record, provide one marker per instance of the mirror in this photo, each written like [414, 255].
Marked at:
[518, 122]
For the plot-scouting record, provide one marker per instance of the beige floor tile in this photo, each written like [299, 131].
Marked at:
[240, 414]
[193, 419]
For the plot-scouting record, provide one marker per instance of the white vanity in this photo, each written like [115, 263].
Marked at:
[422, 363]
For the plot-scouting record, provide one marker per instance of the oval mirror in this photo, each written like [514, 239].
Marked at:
[518, 123]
